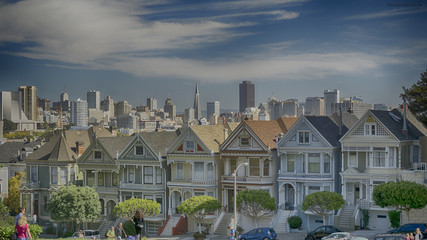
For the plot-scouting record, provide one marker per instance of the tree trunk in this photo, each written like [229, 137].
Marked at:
[324, 219]
[407, 216]
[200, 227]
[256, 222]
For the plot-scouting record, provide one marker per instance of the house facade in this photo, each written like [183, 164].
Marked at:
[381, 147]
[194, 162]
[252, 142]
[310, 160]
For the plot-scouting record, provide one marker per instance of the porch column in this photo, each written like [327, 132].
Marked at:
[281, 197]
[170, 205]
[205, 171]
[154, 178]
[227, 167]
[360, 191]
[344, 190]
[32, 205]
[96, 178]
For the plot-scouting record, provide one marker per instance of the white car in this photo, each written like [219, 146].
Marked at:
[342, 236]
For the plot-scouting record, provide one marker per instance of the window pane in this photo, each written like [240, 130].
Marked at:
[210, 171]
[90, 178]
[148, 175]
[64, 175]
[244, 141]
[114, 180]
[97, 155]
[313, 189]
[159, 201]
[254, 167]
[266, 167]
[100, 178]
[54, 175]
[314, 163]
[158, 175]
[198, 170]
[379, 157]
[326, 164]
[352, 159]
[72, 175]
[189, 146]
[34, 174]
[291, 162]
[180, 170]
[139, 150]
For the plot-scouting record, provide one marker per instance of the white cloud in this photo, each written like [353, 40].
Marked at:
[387, 13]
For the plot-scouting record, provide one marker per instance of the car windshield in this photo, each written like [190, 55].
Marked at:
[272, 230]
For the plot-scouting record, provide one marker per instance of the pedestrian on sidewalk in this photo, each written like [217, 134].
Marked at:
[120, 232]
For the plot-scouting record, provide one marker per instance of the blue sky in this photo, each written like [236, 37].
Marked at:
[131, 50]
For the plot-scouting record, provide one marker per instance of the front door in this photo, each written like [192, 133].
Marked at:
[350, 194]
[230, 202]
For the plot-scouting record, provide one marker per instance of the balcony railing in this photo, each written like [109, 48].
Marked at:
[193, 181]
[31, 185]
[106, 189]
[139, 186]
[230, 179]
[303, 175]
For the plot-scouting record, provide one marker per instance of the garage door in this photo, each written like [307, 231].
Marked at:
[379, 220]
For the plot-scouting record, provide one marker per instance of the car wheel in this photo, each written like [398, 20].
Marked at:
[265, 238]
[309, 238]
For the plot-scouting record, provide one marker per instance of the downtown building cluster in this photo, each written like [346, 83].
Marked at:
[290, 156]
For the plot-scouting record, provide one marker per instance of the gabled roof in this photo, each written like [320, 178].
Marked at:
[327, 128]
[267, 131]
[393, 121]
[159, 141]
[348, 119]
[114, 145]
[211, 135]
[286, 123]
[9, 150]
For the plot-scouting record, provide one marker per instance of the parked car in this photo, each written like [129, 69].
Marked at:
[259, 233]
[410, 228]
[88, 234]
[343, 236]
[321, 232]
[390, 236]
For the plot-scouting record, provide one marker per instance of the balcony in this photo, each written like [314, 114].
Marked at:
[139, 186]
[106, 190]
[32, 185]
[255, 180]
[303, 176]
[192, 182]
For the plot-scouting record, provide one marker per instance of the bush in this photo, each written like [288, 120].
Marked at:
[199, 236]
[394, 217]
[365, 217]
[129, 228]
[7, 230]
[295, 222]
[50, 230]
[35, 230]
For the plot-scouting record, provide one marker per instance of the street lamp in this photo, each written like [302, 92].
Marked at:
[235, 195]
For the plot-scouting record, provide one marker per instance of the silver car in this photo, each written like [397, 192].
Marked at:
[88, 234]
[342, 236]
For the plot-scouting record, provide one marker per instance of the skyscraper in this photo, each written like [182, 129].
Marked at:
[330, 97]
[314, 106]
[152, 104]
[79, 113]
[246, 95]
[28, 101]
[197, 109]
[189, 115]
[94, 99]
[212, 108]
[122, 108]
[63, 97]
[108, 105]
[170, 108]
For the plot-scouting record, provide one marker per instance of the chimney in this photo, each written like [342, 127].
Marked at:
[79, 148]
[225, 133]
[405, 127]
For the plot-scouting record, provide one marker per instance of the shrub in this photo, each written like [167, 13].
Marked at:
[365, 217]
[129, 228]
[394, 217]
[295, 221]
[199, 236]
[35, 230]
[6, 231]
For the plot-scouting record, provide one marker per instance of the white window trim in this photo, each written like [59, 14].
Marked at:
[139, 155]
[189, 150]
[245, 145]
[357, 160]
[303, 131]
[370, 124]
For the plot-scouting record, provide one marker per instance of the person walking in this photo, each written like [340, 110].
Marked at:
[418, 235]
[138, 219]
[22, 229]
[120, 232]
[81, 236]
[20, 214]
[232, 233]
[111, 235]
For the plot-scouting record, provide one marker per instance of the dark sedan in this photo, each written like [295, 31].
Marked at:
[321, 231]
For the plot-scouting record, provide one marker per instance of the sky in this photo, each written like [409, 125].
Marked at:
[132, 50]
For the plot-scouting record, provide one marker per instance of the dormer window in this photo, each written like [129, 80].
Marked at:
[189, 146]
[244, 141]
[139, 150]
[304, 137]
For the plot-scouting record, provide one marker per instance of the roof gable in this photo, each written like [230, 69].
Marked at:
[130, 152]
[97, 153]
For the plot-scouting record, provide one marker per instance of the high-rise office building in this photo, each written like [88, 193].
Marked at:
[213, 108]
[108, 105]
[152, 104]
[170, 108]
[122, 108]
[79, 113]
[44, 103]
[28, 101]
[290, 107]
[331, 97]
[246, 95]
[94, 99]
[189, 115]
[197, 109]
[314, 106]
[63, 97]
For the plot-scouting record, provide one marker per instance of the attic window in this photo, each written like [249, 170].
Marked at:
[189, 146]
[244, 141]
[139, 150]
[97, 155]
[370, 129]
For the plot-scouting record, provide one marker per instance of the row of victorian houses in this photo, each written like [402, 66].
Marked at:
[288, 158]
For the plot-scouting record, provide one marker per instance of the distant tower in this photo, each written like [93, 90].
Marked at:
[212, 108]
[64, 97]
[331, 97]
[108, 105]
[152, 104]
[79, 113]
[28, 101]
[197, 109]
[94, 99]
[246, 95]
[170, 108]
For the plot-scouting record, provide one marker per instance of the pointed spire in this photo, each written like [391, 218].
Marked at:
[197, 109]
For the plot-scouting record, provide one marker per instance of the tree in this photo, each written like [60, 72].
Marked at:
[199, 207]
[403, 195]
[74, 205]
[13, 198]
[322, 203]
[9, 126]
[255, 204]
[127, 209]
[417, 97]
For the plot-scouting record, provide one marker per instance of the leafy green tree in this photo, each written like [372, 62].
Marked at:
[74, 205]
[255, 204]
[322, 203]
[199, 207]
[127, 209]
[417, 98]
[13, 198]
[403, 195]
[9, 126]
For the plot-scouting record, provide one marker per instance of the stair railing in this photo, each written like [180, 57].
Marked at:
[161, 228]
[218, 221]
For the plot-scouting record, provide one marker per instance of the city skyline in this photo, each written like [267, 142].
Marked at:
[289, 49]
